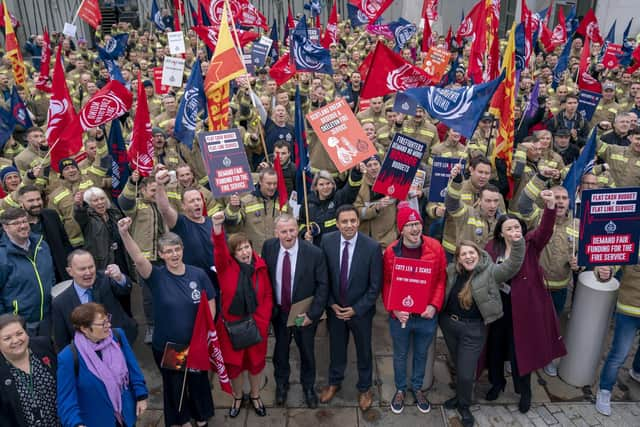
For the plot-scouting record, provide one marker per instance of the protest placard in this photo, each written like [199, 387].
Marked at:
[226, 162]
[157, 82]
[176, 42]
[587, 103]
[341, 134]
[440, 174]
[435, 63]
[411, 286]
[172, 71]
[399, 166]
[260, 50]
[608, 227]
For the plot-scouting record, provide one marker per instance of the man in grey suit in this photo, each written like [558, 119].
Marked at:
[298, 271]
[354, 262]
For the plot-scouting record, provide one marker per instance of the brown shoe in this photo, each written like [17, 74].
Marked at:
[365, 400]
[328, 393]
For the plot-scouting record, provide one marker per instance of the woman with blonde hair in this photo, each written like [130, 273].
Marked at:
[472, 300]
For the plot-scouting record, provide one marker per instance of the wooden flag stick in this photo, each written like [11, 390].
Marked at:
[48, 152]
[306, 203]
[184, 383]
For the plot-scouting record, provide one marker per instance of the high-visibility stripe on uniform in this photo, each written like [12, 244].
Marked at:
[58, 198]
[558, 284]
[628, 309]
[253, 207]
[329, 223]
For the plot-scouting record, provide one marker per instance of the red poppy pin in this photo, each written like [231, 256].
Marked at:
[46, 361]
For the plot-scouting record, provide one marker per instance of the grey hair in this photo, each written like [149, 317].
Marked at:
[285, 217]
[322, 174]
[92, 192]
[169, 239]
[622, 115]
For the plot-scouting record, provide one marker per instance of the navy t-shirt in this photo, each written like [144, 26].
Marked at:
[274, 133]
[175, 303]
[198, 247]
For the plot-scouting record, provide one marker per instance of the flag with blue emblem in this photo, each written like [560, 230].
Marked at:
[402, 31]
[309, 56]
[571, 22]
[532, 104]
[356, 16]
[111, 65]
[116, 46]
[627, 47]
[301, 152]
[563, 62]
[521, 47]
[314, 7]
[156, 16]
[582, 165]
[7, 125]
[193, 102]
[119, 163]
[461, 108]
[19, 110]
[274, 53]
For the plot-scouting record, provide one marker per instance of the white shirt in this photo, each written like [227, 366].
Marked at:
[293, 257]
[352, 246]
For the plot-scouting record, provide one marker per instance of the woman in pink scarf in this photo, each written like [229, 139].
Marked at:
[102, 384]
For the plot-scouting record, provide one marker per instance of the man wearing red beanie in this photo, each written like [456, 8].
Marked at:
[421, 325]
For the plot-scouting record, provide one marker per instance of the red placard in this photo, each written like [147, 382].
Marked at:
[157, 82]
[411, 285]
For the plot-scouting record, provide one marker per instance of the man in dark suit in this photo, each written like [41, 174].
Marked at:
[47, 222]
[298, 271]
[354, 262]
[91, 286]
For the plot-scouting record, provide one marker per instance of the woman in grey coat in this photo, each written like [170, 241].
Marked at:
[472, 300]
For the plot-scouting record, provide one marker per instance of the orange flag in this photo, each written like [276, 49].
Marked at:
[13, 48]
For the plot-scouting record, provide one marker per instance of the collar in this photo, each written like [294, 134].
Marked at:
[24, 247]
[352, 241]
[293, 250]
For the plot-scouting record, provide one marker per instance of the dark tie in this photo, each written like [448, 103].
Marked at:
[89, 294]
[344, 274]
[285, 300]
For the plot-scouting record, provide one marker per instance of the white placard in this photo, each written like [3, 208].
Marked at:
[176, 42]
[266, 41]
[69, 30]
[172, 71]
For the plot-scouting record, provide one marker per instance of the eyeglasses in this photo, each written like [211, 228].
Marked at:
[18, 222]
[106, 322]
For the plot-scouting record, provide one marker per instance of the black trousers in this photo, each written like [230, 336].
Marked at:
[360, 328]
[501, 347]
[464, 340]
[304, 338]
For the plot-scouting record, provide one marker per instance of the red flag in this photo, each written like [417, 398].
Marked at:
[389, 72]
[283, 197]
[2, 193]
[447, 39]
[89, 11]
[558, 37]
[426, 36]
[109, 103]
[364, 68]
[64, 133]
[585, 80]
[478, 46]
[430, 10]
[204, 348]
[467, 28]
[331, 31]
[610, 59]
[373, 9]
[14, 21]
[44, 81]
[251, 16]
[589, 27]
[209, 35]
[529, 29]
[141, 149]
[282, 70]
[179, 11]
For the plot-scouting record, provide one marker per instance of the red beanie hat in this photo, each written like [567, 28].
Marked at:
[405, 215]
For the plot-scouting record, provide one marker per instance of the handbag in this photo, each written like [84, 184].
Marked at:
[243, 333]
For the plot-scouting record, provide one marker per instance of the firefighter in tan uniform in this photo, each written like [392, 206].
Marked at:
[153, 101]
[254, 213]
[607, 107]
[34, 155]
[186, 180]
[374, 114]
[624, 162]
[418, 127]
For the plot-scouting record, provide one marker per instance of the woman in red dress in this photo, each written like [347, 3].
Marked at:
[245, 290]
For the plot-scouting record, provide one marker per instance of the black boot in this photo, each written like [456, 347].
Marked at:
[525, 401]
[451, 403]
[466, 416]
[494, 392]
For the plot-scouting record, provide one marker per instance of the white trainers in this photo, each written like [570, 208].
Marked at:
[551, 370]
[634, 375]
[148, 335]
[603, 402]
[507, 367]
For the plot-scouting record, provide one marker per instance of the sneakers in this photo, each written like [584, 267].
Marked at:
[603, 402]
[551, 370]
[397, 404]
[421, 401]
[635, 375]
[507, 367]
[148, 335]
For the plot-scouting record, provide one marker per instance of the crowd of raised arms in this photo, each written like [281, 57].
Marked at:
[500, 249]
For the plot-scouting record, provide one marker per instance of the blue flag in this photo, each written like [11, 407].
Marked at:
[193, 101]
[581, 166]
[112, 65]
[356, 16]
[301, 151]
[313, 6]
[275, 45]
[156, 16]
[117, 45]
[402, 30]
[571, 22]
[611, 38]
[532, 104]
[460, 109]
[450, 77]
[194, 13]
[7, 125]
[563, 63]
[119, 162]
[521, 47]
[627, 47]
[19, 110]
[309, 56]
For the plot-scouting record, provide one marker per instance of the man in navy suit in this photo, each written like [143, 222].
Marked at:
[354, 262]
[298, 271]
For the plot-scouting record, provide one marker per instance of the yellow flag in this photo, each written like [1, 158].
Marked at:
[13, 48]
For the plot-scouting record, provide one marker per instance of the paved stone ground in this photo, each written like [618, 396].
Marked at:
[554, 401]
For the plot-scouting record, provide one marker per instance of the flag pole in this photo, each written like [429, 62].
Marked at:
[306, 203]
[184, 383]
[75, 17]
[48, 152]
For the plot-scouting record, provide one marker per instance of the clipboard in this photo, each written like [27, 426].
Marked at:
[300, 307]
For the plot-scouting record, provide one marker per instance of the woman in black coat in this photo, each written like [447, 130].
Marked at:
[27, 377]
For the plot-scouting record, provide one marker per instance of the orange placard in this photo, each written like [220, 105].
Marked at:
[435, 63]
[341, 134]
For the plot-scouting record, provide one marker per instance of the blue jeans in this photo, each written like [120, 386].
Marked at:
[422, 331]
[623, 335]
[559, 298]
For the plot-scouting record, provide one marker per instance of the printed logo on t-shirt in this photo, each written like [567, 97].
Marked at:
[195, 293]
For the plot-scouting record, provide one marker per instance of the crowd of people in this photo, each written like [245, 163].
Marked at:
[501, 270]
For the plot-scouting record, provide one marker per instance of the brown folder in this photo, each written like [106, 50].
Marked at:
[300, 307]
